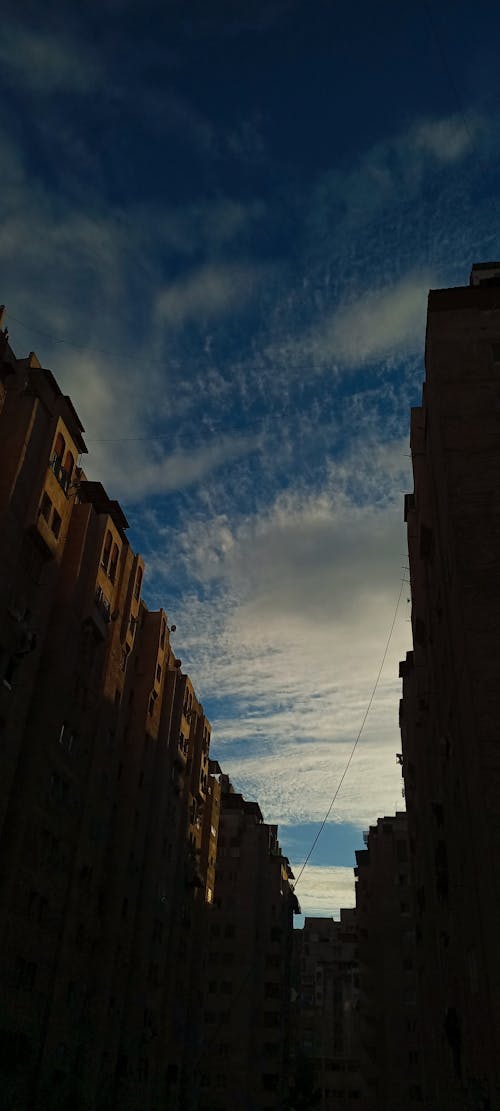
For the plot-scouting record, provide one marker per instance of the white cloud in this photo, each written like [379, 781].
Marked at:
[446, 140]
[144, 477]
[211, 291]
[380, 322]
[323, 891]
[47, 63]
[300, 603]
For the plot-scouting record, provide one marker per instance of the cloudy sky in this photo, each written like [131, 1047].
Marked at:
[219, 222]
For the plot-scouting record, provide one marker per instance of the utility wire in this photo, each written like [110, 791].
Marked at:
[117, 357]
[355, 745]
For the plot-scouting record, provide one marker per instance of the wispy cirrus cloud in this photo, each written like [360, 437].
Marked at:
[300, 601]
[378, 323]
[447, 139]
[48, 62]
[209, 292]
[323, 892]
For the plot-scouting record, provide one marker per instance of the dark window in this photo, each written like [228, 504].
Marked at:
[114, 563]
[138, 583]
[106, 550]
[69, 463]
[45, 507]
[56, 523]
[59, 447]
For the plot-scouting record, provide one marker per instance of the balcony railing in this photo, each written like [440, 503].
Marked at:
[63, 476]
[102, 603]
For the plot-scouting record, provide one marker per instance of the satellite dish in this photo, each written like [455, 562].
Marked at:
[173, 628]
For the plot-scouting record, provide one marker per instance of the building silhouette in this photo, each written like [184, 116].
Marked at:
[451, 694]
[246, 1056]
[108, 812]
[326, 1019]
[390, 1061]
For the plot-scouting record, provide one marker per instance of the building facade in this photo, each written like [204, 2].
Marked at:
[246, 1052]
[390, 1058]
[326, 1026]
[450, 712]
[108, 811]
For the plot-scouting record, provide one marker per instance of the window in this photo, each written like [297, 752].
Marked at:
[45, 507]
[69, 463]
[56, 462]
[138, 584]
[114, 563]
[103, 604]
[106, 551]
[163, 632]
[158, 673]
[56, 523]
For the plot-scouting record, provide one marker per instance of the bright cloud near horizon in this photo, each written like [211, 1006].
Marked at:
[218, 228]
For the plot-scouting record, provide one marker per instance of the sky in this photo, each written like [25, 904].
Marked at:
[219, 222]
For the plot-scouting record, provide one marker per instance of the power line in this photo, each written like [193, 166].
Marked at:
[355, 745]
[118, 357]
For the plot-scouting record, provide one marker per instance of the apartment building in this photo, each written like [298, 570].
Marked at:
[390, 1057]
[108, 811]
[245, 1057]
[450, 710]
[326, 1021]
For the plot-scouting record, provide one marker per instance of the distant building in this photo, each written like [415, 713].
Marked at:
[245, 1058]
[450, 712]
[387, 1008]
[327, 1010]
[108, 811]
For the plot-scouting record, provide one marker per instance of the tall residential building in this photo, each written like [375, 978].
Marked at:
[390, 1059]
[450, 713]
[108, 811]
[245, 1057]
[326, 1026]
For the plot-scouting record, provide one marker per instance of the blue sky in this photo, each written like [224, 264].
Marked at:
[218, 226]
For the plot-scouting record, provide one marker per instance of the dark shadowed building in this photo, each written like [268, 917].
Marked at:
[245, 1063]
[450, 712]
[108, 812]
[326, 1026]
[384, 913]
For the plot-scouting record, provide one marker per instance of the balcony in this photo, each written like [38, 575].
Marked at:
[63, 477]
[102, 604]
